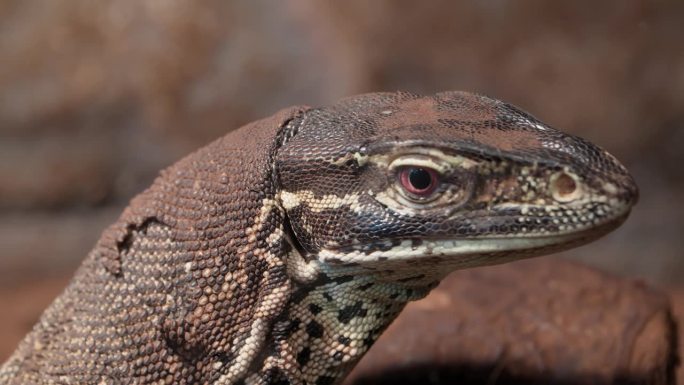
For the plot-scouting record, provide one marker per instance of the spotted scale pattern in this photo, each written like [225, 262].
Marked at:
[279, 253]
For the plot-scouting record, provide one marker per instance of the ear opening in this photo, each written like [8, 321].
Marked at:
[292, 239]
[302, 266]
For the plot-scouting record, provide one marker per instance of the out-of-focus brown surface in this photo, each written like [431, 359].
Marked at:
[678, 305]
[544, 321]
[21, 306]
[96, 97]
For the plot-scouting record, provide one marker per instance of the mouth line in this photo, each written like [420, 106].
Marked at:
[410, 249]
[602, 226]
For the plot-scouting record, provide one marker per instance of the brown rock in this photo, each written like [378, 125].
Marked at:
[678, 302]
[545, 321]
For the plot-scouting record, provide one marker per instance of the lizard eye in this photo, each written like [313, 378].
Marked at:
[419, 181]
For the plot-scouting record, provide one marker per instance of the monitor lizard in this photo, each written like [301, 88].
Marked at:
[279, 253]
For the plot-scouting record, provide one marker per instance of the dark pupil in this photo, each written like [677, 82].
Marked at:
[419, 178]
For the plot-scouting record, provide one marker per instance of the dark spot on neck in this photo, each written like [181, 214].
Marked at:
[347, 313]
[314, 329]
[299, 295]
[343, 279]
[314, 309]
[344, 340]
[366, 286]
[303, 356]
[277, 377]
[292, 327]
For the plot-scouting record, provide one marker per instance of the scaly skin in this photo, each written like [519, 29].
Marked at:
[279, 253]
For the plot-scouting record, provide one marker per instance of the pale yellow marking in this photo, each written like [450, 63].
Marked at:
[326, 202]
[449, 248]
[275, 237]
[421, 161]
[267, 205]
[610, 188]
[361, 159]
[299, 269]
[289, 200]
[440, 160]
[247, 353]
[538, 126]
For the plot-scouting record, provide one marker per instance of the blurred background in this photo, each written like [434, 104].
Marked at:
[96, 97]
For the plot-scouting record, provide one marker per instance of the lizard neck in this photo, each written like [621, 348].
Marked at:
[331, 322]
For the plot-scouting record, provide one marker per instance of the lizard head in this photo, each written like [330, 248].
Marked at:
[453, 179]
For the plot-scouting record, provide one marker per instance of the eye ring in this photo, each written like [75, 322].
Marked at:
[418, 181]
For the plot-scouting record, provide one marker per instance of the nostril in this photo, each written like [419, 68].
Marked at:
[564, 186]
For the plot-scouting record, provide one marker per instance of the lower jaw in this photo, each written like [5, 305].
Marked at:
[470, 252]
